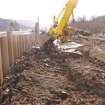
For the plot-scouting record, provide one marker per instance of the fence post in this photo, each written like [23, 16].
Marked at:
[14, 46]
[23, 40]
[10, 47]
[18, 45]
[25, 43]
[5, 54]
[1, 69]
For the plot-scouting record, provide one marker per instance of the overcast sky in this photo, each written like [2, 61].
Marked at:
[46, 9]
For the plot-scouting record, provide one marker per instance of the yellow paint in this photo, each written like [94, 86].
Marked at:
[61, 22]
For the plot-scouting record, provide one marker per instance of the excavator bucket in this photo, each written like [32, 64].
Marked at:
[56, 45]
[69, 47]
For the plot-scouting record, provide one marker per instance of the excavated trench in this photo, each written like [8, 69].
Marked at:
[47, 77]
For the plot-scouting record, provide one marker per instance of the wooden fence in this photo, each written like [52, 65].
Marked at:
[12, 46]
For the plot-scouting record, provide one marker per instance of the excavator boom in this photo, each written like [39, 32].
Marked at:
[61, 28]
[61, 22]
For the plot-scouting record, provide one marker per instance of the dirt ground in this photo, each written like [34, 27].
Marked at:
[47, 77]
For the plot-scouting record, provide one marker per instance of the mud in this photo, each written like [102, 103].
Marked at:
[47, 77]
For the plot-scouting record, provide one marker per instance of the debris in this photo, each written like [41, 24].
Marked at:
[49, 77]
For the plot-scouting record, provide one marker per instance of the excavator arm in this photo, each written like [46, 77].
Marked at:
[58, 30]
[61, 28]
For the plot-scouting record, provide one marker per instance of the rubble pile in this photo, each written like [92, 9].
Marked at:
[47, 77]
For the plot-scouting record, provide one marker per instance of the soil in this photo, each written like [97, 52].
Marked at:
[48, 77]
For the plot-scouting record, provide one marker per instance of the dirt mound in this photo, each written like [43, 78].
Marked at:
[46, 77]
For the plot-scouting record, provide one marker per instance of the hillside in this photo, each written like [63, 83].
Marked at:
[27, 23]
[94, 25]
[7, 24]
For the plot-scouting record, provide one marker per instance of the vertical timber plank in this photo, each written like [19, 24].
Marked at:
[15, 46]
[5, 54]
[18, 45]
[1, 69]
[23, 43]
[28, 42]
[10, 48]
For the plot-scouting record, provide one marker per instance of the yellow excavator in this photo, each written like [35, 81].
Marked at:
[60, 29]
